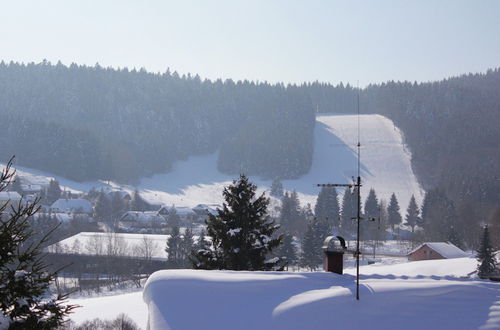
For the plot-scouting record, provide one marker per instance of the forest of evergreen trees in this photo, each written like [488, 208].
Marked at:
[93, 122]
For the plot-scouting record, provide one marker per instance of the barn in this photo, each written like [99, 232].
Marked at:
[436, 250]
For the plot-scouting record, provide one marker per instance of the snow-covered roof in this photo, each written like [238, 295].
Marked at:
[447, 250]
[130, 245]
[9, 195]
[147, 216]
[31, 187]
[71, 205]
[184, 210]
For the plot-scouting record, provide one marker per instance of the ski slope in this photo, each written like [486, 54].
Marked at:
[385, 166]
[434, 294]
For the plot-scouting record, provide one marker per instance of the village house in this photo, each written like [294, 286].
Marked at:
[8, 199]
[138, 219]
[436, 250]
[77, 206]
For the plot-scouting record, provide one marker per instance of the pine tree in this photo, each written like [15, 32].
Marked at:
[118, 205]
[138, 203]
[186, 248]
[288, 251]
[53, 191]
[290, 217]
[25, 302]
[174, 250]
[485, 255]
[369, 228]
[383, 224]
[102, 208]
[201, 243]
[173, 219]
[394, 217]
[327, 207]
[277, 188]
[311, 246]
[412, 214]
[242, 233]
[349, 212]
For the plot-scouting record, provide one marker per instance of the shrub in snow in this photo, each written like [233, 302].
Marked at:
[24, 279]
[241, 232]
[122, 322]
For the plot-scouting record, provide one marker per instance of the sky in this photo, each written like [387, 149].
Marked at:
[263, 40]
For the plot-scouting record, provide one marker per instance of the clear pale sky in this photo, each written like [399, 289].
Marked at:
[289, 41]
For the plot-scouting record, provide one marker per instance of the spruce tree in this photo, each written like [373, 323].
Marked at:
[369, 228]
[53, 192]
[186, 247]
[242, 233]
[327, 207]
[118, 205]
[25, 300]
[394, 217]
[102, 208]
[277, 188]
[412, 214]
[290, 216]
[485, 255]
[173, 219]
[201, 243]
[138, 203]
[174, 250]
[311, 247]
[349, 211]
[288, 251]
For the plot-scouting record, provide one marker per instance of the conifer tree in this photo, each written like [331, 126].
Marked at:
[485, 255]
[102, 208]
[242, 233]
[311, 246]
[173, 219]
[25, 301]
[53, 192]
[327, 207]
[290, 218]
[369, 228]
[118, 205]
[174, 250]
[349, 211]
[412, 214]
[277, 188]
[288, 251]
[394, 216]
[138, 203]
[186, 248]
[201, 243]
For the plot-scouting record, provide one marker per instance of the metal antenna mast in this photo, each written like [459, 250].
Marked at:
[358, 218]
[356, 185]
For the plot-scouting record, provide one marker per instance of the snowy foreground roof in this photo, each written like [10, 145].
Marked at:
[425, 295]
[447, 250]
[129, 245]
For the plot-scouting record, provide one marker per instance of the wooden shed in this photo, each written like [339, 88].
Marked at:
[436, 250]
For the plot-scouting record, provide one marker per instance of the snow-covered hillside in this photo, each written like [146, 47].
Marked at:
[434, 294]
[384, 160]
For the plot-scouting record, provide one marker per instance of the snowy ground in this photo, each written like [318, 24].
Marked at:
[433, 294]
[385, 167]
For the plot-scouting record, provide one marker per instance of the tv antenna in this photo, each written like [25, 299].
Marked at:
[356, 186]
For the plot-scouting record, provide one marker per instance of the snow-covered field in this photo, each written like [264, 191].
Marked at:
[384, 160]
[434, 294]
